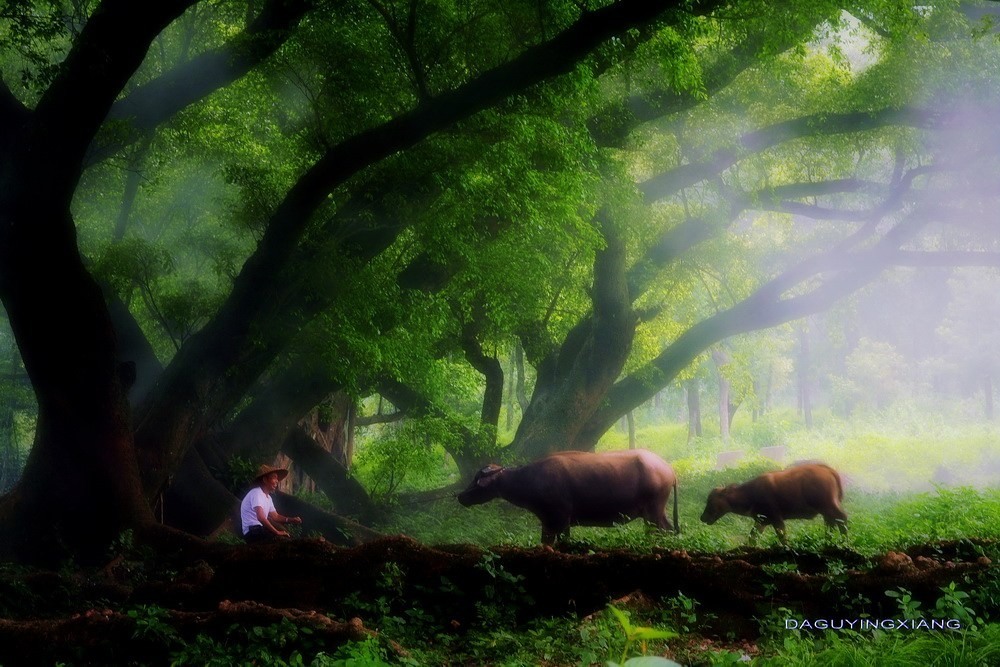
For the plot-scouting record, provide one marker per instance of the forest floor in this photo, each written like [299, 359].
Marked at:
[140, 602]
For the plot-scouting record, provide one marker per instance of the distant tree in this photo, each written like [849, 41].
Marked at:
[971, 330]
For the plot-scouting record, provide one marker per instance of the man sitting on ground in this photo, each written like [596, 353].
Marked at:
[257, 513]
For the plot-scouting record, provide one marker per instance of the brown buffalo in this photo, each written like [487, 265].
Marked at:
[582, 489]
[798, 492]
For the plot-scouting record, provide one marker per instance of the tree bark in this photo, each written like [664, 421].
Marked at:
[519, 386]
[694, 409]
[588, 362]
[721, 358]
[803, 368]
[82, 465]
[329, 475]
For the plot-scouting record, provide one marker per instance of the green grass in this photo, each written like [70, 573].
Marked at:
[927, 649]
[878, 522]
[889, 461]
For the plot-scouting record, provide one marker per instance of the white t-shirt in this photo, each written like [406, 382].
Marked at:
[248, 513]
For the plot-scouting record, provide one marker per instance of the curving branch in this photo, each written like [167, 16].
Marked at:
[809, 287]
[669, 183]
[612, 125]
[103, 58]
[156, 102]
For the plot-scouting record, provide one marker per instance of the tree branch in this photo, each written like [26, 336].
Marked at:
[767, 307]
[660, 187]
[154, 103]
[107, 53]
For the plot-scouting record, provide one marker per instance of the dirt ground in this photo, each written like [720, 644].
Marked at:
[52, 615]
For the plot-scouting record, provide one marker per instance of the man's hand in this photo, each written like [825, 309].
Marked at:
[294, 519]
[283, 533]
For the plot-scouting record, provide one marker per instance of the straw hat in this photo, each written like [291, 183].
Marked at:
[265, 470]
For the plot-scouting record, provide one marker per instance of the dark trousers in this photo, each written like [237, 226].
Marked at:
[258, 534]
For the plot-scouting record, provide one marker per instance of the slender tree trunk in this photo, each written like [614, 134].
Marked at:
[522, 395]
[133, 177]
[630, 422]
[804, 361]
[724, 408]
[693, 408]
[509, 392]
[352, 425]
[767, 391]
[721, 359]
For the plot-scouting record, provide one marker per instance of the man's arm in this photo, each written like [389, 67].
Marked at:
[280, 518]
[265, 521]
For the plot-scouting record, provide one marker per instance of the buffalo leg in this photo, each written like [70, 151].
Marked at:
[836, 520]
[762, 522]
[658, 517]
[554, 531]
[755, 532]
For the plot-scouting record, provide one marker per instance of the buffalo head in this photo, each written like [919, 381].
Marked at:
[482, 489]
[717, 506]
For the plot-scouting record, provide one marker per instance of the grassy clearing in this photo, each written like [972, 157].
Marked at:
[892, 498]
[878, 522]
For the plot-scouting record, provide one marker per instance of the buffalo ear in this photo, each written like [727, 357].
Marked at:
[488, 475]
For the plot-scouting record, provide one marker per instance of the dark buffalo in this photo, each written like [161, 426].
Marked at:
[798, 492]
[582, 489]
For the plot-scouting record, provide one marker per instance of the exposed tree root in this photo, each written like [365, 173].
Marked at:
[306, 580]
[103, 635]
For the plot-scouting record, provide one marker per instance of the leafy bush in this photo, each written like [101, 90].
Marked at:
[408, 451]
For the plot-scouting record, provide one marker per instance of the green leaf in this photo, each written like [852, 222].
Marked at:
[622, 619]
[643, 633]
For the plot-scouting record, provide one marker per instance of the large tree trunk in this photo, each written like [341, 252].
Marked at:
[329, 475]
[331, 425]
[80, 487]
[573, 382]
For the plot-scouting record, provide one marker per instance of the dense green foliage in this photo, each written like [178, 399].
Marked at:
[751, 204]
